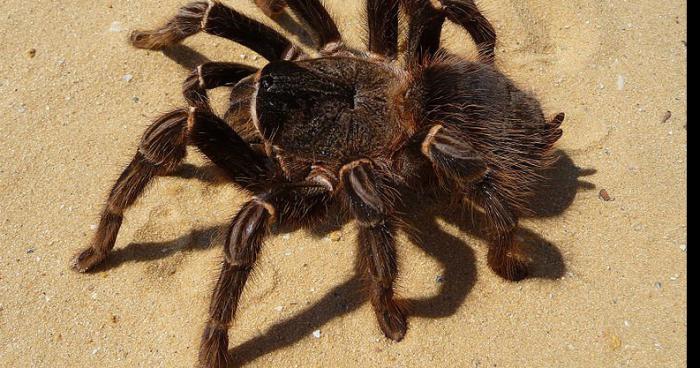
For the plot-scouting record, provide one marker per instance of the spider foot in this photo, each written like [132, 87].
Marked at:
[509, 267]
[393, 323]
[189, 20]
[87, 259]
[213, 352]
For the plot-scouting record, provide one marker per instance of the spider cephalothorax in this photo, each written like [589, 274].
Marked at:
[331, 109]
[357, 128]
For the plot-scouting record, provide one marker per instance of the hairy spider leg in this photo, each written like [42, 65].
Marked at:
[293, 203]
[368, 191]
[164, 146]
[383, 27]
[217, 19]
[426, 22]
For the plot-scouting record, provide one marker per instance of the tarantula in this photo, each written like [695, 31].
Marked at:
[343, 126]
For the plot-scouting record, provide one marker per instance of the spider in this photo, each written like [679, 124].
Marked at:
[346, 127]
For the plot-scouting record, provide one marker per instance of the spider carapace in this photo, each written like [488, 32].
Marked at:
[332, 110]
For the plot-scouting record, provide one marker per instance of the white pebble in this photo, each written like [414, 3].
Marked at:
[127, 77]
[95, 350]
[317, 334]
[627, 323]
[115, 27]
[93, 227]
[684, 247]
[279, 308]
[620, 82]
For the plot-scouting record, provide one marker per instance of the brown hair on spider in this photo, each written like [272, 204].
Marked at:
[351, 127]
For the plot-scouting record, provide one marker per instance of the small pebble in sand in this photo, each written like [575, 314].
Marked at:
[93, 227]
[335, 236]
[114, 319]
[627, 323]
[244, 56]
[115, 27]
[279, 308]
[127, 77]
[674, 277]
[604, 195]
[135, 99]
[667, 115]
[286, 236]
[95, 350]
[30, 251]
[614, 341]
[658, 285]
[440, 279]
[620, 82]
[31, 53]
[684, 247]
[317, 334]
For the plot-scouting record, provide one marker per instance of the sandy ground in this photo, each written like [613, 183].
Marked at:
[609, 285]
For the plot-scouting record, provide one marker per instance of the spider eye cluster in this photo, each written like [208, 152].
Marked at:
[266, 82]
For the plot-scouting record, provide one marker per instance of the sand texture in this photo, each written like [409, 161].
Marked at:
[609, 277]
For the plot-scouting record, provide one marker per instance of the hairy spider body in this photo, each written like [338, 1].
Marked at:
[352, 127]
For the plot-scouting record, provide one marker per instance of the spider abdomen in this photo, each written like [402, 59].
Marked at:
[504, 124]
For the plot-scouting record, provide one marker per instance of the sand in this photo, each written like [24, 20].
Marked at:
[609, 285]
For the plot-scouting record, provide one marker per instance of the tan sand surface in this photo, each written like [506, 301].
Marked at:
[609, 285]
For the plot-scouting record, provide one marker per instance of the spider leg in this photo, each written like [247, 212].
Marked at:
[217, 19]
[271, 8]
[250, 226]
[371, 205]
[467, 14]
[426, 21]
[424, 29]
[162, 149]
[454, 158]
[164, 146]
[503, 256]
[209, 76]
[383, 27]
[452, 155]
[317, 17]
